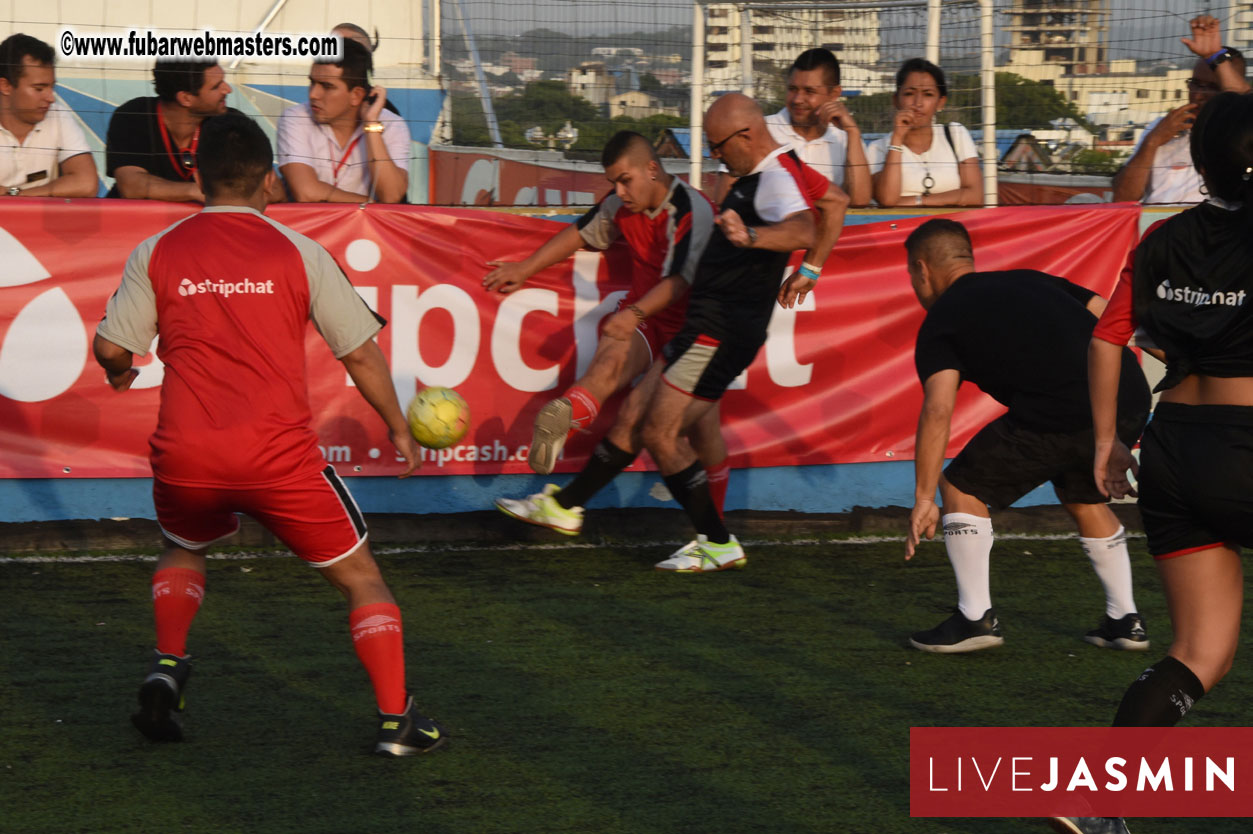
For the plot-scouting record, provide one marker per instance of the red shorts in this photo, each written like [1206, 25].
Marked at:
[658, 329]
[314, 516]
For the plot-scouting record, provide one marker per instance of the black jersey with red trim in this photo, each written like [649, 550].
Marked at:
[1189, 286]
[735, 288]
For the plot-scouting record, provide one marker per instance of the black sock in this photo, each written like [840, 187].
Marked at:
[691, 489]
[604, 464]
[1160, 697]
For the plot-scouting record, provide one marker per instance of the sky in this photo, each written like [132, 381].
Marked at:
[1144, 29]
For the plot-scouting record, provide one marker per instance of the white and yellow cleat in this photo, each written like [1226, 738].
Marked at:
[542, 509]
[552, 426]
[704, 556]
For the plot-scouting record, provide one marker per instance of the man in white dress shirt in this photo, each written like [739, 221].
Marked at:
[343, 147]
[816, 124]
[47, 154]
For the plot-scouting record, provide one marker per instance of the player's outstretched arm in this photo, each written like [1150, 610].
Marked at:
[511, 275]
[1112, 459]
[369, 372]
[939, 399]
[796, 231]
[831, 209]
[664, 293]
[116, 361]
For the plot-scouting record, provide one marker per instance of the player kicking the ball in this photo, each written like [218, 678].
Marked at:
[666, 223]
[1021, 337]
[233, 430]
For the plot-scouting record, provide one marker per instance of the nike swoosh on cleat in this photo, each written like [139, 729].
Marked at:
[431, 734]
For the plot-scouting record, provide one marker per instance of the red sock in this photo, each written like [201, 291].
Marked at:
[380, 645]
[176, 596]
[719, 475]
[584, 408]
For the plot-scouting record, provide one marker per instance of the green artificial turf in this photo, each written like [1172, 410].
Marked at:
[583, 692]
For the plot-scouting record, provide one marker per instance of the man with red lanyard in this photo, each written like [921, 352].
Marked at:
[150, 149]
[343, 147]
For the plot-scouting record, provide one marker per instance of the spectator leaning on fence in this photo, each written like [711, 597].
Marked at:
[1160, 170]
[818, 126]
[921, 163]
[152, 140]
[46, 153]
[343, 147]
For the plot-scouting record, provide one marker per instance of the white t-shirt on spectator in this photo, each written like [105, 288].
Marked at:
[940, 160]
[1172, 178]
[37, 160]
[301, 139]
[827, 154]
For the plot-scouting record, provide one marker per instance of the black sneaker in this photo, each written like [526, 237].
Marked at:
[957, 634]
[408, 734]
[1126, 634]
[1089, 825]
[160, 696]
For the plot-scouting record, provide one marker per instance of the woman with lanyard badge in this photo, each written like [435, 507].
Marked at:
[920, 163]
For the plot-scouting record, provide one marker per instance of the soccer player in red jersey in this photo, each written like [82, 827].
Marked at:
[666, 224]
[231, 293]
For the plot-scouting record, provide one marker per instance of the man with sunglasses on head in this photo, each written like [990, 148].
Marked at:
[1160, 170]
[151, 145]
[343, 146]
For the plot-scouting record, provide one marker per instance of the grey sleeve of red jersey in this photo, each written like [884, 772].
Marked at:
[597, 227]
[338, 312]
[130, 317]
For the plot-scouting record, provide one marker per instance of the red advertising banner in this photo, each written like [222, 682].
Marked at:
[1081, 772]
[835, 382]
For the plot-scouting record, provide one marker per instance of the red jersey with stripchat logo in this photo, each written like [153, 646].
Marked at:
[231, 293]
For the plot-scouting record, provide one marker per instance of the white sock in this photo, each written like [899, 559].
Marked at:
[1113, 568]
[968, 539]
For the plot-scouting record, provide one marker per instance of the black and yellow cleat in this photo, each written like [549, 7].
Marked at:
[161, 697]
[408, 734]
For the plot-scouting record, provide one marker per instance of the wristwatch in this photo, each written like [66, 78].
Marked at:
[1222, 56]
[14, 191]
[372, 127]
[752, 235]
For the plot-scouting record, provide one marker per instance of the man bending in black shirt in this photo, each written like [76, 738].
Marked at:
[1022, 337]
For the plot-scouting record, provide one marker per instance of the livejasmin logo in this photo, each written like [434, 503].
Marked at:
[1030, 773]
[226, 288]
[1199, 298]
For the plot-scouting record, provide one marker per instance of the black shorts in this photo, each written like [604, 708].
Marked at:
[1196, 478]
[1006, 460]
[702, 366]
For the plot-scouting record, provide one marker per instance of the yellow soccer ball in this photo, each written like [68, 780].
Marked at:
[438, 417]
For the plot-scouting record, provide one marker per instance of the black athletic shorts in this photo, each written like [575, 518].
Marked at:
[1196, 478]
[1006, 460]
[702, 366]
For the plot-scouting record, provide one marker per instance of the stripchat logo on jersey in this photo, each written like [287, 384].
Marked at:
[1199, 298]
[226, 288]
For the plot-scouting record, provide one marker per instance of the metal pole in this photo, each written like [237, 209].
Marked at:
[746, 51]
[265, 21]
[420, 28]
[988, 77]
[933, 31]
[697, 116]
[485, 95]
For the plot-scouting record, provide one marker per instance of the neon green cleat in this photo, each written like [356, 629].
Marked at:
[542, 509]
[704, 556]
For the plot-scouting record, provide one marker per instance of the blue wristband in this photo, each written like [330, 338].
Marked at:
[809, 272]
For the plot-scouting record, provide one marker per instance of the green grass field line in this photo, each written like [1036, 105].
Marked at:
[584, 692]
